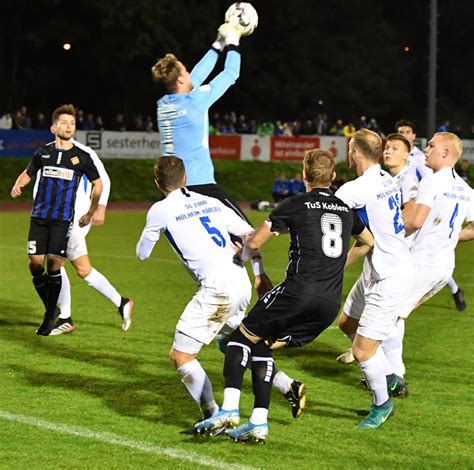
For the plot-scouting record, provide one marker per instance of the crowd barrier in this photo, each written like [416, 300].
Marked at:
[143, 145]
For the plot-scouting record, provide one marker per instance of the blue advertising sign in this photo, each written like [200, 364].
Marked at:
[16, 143]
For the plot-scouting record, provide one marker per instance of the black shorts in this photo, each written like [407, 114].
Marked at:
[48, 237]
[213, 190]
[285, 315]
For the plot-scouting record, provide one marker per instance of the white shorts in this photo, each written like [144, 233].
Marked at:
[76, 245]
[377, 304]
[428, 281]
[219, 305]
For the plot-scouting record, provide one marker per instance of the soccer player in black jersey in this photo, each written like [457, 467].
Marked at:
[61, 166]
[299, 309]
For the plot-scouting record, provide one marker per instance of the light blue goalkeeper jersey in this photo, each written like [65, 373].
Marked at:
[183, 120]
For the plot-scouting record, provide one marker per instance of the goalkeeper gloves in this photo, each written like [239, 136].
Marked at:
[227, 35]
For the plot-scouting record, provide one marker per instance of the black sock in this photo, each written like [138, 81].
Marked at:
[237, 357]
[263, 371]
[39, 281]
[53, 290]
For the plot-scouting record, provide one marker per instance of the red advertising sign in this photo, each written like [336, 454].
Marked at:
[292, 148]
[224, 147]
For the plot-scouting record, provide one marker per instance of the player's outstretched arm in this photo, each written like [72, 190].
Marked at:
[96, 191]
[20, 183]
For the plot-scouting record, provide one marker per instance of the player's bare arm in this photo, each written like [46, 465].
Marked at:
[96, 191]
[99, 215]
[467, 233]
[416, 221]
[408, 208]
[20, 183]
[364, 242]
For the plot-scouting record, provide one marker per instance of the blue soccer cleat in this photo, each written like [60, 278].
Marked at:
[248, 432]
[217, 424]
[377, 416]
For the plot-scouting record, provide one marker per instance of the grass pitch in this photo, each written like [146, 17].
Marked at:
[101, 398]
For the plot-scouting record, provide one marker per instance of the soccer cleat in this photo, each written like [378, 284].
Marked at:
[217, 424]
[396, 386]
[46, 326]
[248, 432]
[62, 326]
[296, 397]
[377, 416]
[346, 358]
[459, 300]
[125, 310]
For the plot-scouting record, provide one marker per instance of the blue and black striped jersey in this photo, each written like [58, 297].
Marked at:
[59, 172]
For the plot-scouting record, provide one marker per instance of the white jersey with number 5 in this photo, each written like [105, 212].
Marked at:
[375, 197]
[451, 201]
[198, 229]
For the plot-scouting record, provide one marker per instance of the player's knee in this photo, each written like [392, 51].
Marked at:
[83, 271]
[36, 266]
[178, 358]
[347, 324]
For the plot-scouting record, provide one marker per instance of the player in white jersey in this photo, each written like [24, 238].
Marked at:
[443, 203]
[78, 255]
[417, 168]
[395, 154]
[224, 286]
[377, 298]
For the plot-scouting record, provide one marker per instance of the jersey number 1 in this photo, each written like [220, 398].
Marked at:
[393, 205]
[216, 236]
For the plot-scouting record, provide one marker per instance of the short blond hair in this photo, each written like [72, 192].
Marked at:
[319, 167]
[166, 72]
[454, 142]
[368, 143]
[64, 109]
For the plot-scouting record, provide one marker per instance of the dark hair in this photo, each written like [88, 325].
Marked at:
[401, 138]
[405, 123]
[169, 172]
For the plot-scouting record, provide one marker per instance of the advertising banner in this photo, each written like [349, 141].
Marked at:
[225, 147]
[255, 148]
[19, 143]
[291, 148]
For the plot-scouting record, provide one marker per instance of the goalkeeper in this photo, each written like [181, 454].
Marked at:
[183, 120]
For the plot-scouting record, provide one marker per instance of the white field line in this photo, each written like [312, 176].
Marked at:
[113, 439]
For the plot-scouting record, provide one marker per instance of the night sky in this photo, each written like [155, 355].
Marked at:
[343, 58]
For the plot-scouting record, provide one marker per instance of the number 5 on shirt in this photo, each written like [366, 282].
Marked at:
[216, 236]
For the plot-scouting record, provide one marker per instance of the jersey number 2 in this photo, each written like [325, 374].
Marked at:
[216, 236]
[393, 205]
[331, 226]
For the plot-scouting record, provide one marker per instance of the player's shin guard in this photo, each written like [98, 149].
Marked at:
[197, 383]
[53, 289]
[237, 358]
[100, 283]
[64, 300]
[393, 348]
[40, 280]
[263, 371]
[374, 373]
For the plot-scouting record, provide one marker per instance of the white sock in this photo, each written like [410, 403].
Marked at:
[100, 283]
[375, 376]
[259, 416]
[282, 382]
[452, 285]
[197, 383]
[231, 399]
[64, 299]
[393, 348]
[386, 366]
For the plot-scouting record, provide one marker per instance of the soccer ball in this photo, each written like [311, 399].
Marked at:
[243, 14]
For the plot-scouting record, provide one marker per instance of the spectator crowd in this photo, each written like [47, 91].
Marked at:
[220, 124]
